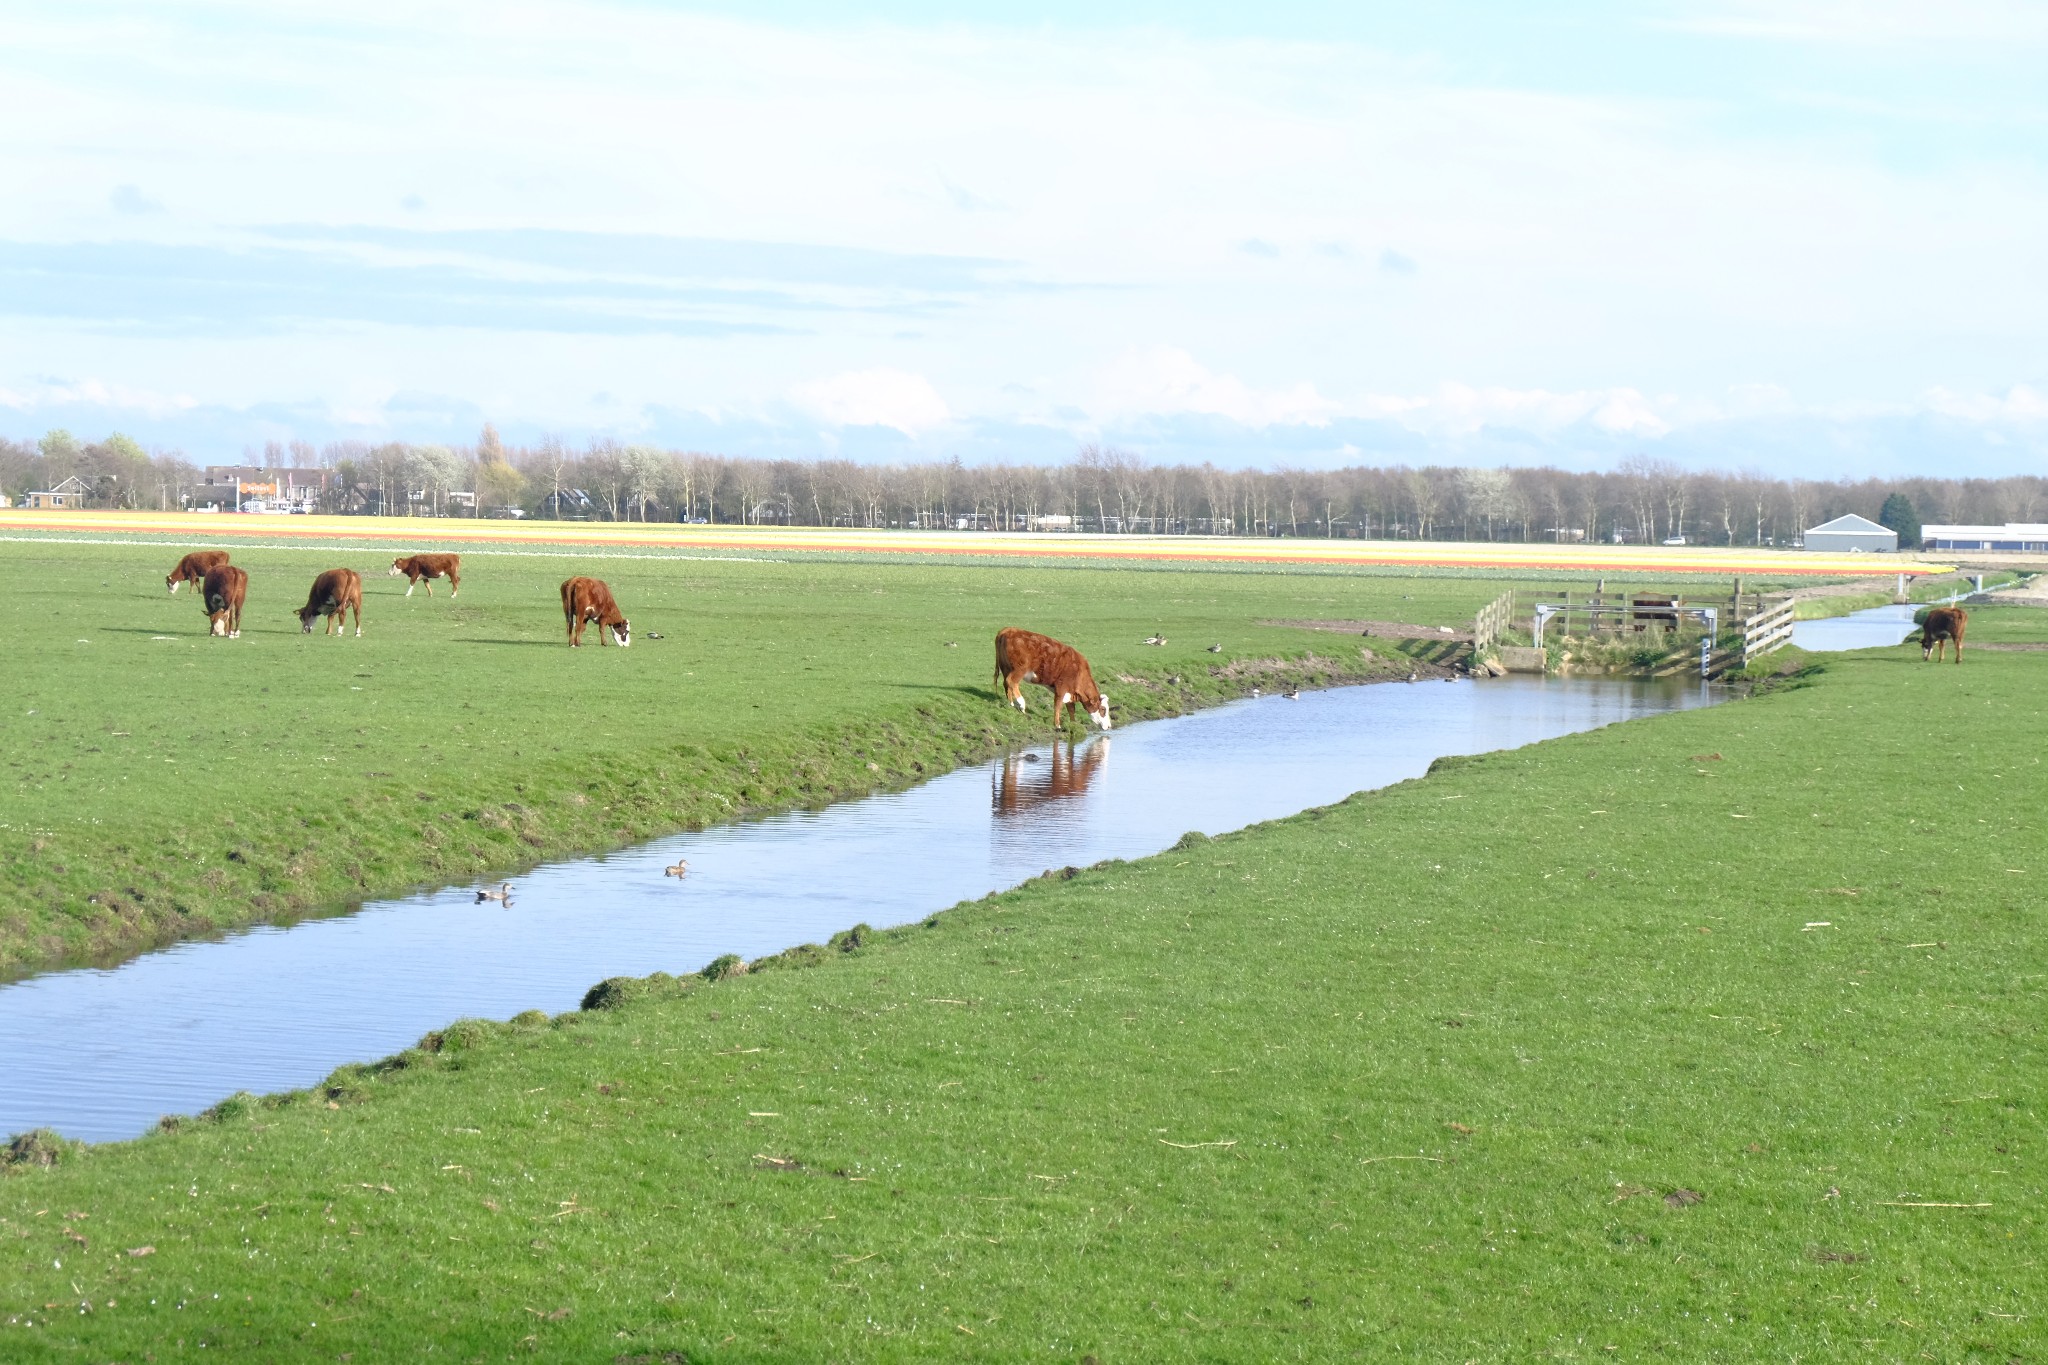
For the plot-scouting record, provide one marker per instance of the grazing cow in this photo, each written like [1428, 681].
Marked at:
[1940, 626]
[335, 593]
[1024, 656]
[587, 599]
[224, 589]
[427, 568]
[192, 568]
[1649, 609]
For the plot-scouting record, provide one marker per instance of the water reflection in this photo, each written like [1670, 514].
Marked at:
[1023, 782]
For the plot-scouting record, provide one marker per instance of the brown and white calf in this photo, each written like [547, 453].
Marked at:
[335, 593]
[192, 568]
[1942, 625]
[587, 599]
[427, 568]
[1024, 656]
[224, 589]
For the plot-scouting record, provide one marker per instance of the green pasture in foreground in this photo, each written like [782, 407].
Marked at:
[160, 783]
[1716, 1036]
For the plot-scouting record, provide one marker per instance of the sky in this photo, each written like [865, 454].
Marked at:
[1807, 237]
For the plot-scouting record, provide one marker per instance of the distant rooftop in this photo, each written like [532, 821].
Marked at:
[1852, 523]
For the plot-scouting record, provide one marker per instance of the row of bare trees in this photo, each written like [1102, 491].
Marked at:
[1642, 500]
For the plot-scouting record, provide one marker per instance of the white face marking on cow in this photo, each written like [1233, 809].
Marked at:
[219, 626]
[1101, 714]
[176, 584]
[623, 633]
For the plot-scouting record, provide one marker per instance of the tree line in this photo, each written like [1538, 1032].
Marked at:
[1100, 489]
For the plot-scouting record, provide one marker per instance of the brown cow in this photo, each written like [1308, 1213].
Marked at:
[192, 568]
[334, 594]
[224, 589]
[587, 599]
[427, 568]
[1942, 625]
[1024, 656]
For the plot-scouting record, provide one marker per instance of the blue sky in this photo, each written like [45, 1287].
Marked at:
[1803, 236]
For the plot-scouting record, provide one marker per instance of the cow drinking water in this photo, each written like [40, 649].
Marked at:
[224, 589]
[426, 568]
[1939, 627]
[1024, 656]
[587, 599]
[334, 594]
[192, 569]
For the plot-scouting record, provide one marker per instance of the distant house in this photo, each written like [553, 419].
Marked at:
[2017, 536]
[1852, 534]
[69, 494]
[253, 488]
[570, 504]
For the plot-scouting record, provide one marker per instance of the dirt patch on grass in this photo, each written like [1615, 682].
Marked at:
[1385, 630]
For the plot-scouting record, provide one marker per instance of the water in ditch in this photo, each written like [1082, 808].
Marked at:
[101, 1054]
[1872, 628]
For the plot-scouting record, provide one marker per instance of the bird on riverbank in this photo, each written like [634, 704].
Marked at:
[1257, 693]
[1412, 675]
[678, 868]
[503, 893]
[1292, 694]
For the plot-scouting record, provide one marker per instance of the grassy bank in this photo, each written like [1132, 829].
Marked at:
[1714, 1036]
[160, 784]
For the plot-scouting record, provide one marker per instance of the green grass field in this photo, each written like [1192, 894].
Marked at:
[162, 784]
[1717, 1036]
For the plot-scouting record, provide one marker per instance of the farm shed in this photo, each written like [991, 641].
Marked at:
[1850, 534]
[2021, 536]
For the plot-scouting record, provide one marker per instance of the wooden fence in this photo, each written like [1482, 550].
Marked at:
[1732, 629]
[1492, 622]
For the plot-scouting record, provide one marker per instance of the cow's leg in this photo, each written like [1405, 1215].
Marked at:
[429, 581]
[454, 586]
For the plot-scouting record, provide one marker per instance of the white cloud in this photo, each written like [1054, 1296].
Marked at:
[2019, 405]
[1165, 380]
[45, 394]
[1873, 22]
[876, 398]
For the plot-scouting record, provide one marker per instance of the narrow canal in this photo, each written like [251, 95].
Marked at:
[102, 1054]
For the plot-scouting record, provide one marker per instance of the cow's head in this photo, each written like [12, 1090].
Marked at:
[1099, 713]
[622, 631]
[397, 569]
[220, 622]
[173, 582]
[307, 616]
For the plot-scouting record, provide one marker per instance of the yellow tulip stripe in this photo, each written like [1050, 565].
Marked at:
[449, 533]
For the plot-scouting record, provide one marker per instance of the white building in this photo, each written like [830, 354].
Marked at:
[1852, 535]
[2017, 536]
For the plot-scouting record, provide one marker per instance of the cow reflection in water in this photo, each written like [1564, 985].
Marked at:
[1027, 780]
